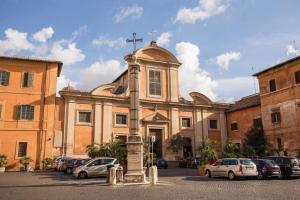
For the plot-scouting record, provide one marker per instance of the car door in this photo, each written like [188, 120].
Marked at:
[224, 167]
[215, 171]
[93, 168]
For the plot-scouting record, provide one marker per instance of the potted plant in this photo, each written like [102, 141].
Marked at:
[47, 163]
[3, 163]
[25, 161]
[207, 155]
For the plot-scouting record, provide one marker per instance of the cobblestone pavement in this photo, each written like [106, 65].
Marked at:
[173, 184]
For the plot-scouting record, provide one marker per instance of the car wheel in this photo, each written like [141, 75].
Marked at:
[208, 173]
[69, 170]
[231, 175]
[82, 175]
[260, 175]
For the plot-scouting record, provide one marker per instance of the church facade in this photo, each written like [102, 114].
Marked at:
[102, 115]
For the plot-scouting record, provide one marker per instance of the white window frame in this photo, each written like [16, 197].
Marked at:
[84, 123]
[115, 119]
[148, 82]
[191, 123]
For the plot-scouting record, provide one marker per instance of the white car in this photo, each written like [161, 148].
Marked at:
[95, 167]
[232, 168]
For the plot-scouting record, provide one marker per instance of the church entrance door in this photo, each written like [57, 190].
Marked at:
[157, 145]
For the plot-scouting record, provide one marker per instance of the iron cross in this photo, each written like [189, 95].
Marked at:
[134, 40]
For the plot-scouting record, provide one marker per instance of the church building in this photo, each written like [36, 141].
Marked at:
[102, 114]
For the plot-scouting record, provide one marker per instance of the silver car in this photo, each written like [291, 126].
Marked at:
[232, 168]
[95, 167]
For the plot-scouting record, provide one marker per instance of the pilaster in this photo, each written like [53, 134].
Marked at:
[69, 128]
[223, 129]
[97, 122]
[107, 122]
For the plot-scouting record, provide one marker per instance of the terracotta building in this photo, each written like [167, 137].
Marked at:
[242, 116]
[280, 104]
[27, 108]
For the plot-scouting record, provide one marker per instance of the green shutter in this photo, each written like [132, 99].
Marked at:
[30, 80]
[6, 79]
[31, 113]
[18, 113]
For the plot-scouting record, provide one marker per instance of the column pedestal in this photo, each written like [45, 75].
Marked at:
[135, 171]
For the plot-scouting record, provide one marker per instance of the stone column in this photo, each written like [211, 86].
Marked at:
[223, 129]
[69, 127]
[135, 173]
[97, 122]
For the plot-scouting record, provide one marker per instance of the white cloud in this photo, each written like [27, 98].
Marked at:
[204, 10]
[14, 42]
[223, 60]
[134, 11]
[43, 35]
[231, 89]
[79, 31]
[292, 50]
[164, 39]
[63, 81]
[100, 72]
[112, 43]
[66, 52]
[192, 77]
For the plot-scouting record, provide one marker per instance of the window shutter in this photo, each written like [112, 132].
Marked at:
[18, 114]
[6, 75]
[31, 112]
[30, 80]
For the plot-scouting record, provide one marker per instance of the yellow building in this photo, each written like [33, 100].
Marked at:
[27, 108]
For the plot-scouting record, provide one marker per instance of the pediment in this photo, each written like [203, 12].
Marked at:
[199, 98]
[156, 53]
[155, 118]
[105, 89]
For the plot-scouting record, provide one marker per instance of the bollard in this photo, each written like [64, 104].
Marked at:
[120, 174]
[153, 175]
[112, 176]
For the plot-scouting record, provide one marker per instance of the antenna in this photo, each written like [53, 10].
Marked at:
[254, 84]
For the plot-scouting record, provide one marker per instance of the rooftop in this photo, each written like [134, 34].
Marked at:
[245, 102]
[60, 63]
[277, 65]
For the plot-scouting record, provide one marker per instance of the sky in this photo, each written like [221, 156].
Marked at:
[220, 43]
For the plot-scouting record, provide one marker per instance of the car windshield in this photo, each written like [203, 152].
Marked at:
[270, 162]
[246, 162]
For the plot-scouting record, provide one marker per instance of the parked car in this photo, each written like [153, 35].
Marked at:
[55, 162]
[95, 167]
[161, 163]
[60, 163]
[266, 168]
[289, 166]
[70, 164]
[232, 168]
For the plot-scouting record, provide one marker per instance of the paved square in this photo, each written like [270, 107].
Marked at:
[173, 184]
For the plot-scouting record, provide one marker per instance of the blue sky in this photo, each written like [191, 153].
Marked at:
[218, 41]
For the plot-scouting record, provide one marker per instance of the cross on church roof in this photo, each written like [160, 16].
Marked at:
[134, 40]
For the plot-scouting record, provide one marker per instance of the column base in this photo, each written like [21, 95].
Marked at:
[135, 177]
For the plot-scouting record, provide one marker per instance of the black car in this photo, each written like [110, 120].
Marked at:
[266, 168]
[289, 166]
[161, 163]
